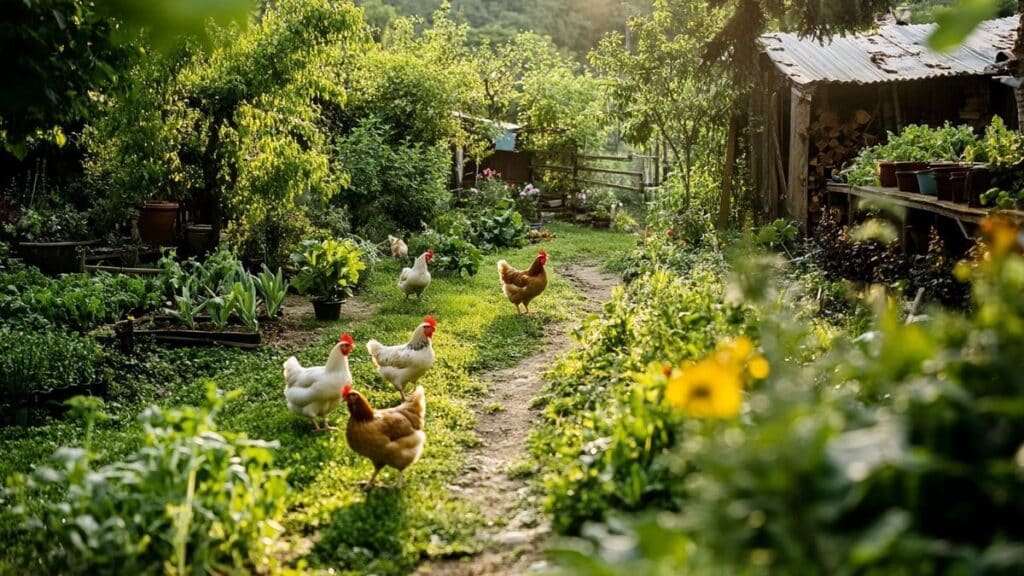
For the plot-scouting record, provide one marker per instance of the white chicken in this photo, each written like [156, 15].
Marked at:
[399, 250]
[416, 279]
[314, 392]
[404, 364]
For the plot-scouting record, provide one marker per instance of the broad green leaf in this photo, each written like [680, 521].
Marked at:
[954, 25]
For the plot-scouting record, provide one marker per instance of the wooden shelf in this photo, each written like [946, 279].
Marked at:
[922, 202]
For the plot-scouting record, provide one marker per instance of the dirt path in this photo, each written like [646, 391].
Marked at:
[516, 530]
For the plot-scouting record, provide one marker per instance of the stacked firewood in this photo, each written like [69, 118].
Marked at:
[834, 144]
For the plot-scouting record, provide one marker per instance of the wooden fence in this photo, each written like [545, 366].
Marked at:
[639, 173]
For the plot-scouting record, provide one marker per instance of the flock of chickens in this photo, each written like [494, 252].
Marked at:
[391, 436]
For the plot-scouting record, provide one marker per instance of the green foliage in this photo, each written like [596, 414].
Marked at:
[918, 143]
[241, 124]
[49, 225]
[246, 302]
[662, 89]
[840, 462]
[328, 270]
[190, 499]
[76, 301]
[394, 186]
[189, 303]
[780, 234]
[955, 24]
[65, 51]
[272, 288]
[603, 435]
[452, 251]
[499, 227]
[34, 361]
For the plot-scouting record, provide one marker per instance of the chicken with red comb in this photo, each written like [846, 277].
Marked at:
[315, 391]
[521, 287]
[403, 364]
[416, 279]
[389, 437]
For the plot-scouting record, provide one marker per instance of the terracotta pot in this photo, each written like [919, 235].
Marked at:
[907, 181]
[887, 174]
[979, 179]
[327, 311]
[156, 223]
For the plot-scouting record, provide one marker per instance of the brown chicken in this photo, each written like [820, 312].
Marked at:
[522, 287]
[388, 437]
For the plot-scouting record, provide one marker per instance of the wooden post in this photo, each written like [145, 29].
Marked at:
[799, 151]
[460, 163]
[730, 162]
[575, 169]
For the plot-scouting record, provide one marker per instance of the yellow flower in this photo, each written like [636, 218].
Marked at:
[1001, 234]
[742, 348]
[710, 388]
[759, 368]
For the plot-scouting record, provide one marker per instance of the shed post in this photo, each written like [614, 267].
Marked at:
[799, 152]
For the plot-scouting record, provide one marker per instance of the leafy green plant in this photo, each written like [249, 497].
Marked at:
[327, 270]
[916, 143]
[272, 289]
[62, 223]
[220, 309]
[76, 301]
[452, 253]
[187, 308]
[41, 360]
[499, 227]
[781, 233]
[246, 303]
[191, 499]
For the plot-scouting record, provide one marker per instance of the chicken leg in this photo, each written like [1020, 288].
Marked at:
[373, 479]
[327, 425]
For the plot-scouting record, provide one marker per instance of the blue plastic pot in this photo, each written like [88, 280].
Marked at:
[926, 182]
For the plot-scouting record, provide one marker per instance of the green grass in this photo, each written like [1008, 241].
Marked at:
[387, 532]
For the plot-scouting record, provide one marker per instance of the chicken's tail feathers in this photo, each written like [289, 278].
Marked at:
[503, 268]
[291, 365]
[373, 347]
[418, 402]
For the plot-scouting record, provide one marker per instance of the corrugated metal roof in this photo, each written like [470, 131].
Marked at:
[891, 54]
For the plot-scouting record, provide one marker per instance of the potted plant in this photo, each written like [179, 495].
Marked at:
[327, 272]
[52, 240]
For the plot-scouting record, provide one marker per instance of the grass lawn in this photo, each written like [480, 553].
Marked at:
[330, 522]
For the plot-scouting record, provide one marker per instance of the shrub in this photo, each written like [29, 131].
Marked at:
[191, 499]
[34, 361]
[452, 252]
[499, 227]
[405, 180]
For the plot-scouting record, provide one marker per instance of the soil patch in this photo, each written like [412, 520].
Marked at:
[298, 328]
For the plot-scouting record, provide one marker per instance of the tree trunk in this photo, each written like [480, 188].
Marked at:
[1018, 54]
[724, 205]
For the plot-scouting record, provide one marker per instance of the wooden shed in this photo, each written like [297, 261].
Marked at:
[514, 165]
[868, 83]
